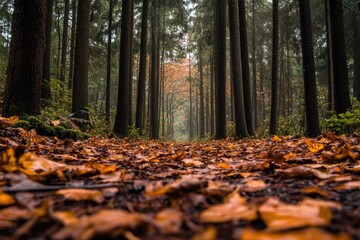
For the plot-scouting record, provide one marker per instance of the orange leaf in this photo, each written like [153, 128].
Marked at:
[78, 194]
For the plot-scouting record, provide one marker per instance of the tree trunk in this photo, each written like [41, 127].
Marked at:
[245, 67]
[121, 126]
[45, 83]
[254, 88]
[274, 70]
[131, 68]
[238, 90]
[356, 57]
[108, 68]
[191, 130]
[341, 79]
[154, 120]
[330, 69]
[25, 68]
[72, 45]
[64, 41]
[212, 107]
[220, 69]
[81, 61]
[140, 101]
[201, 92]
[311, 104]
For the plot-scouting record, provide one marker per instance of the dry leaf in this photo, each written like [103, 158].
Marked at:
[78, 194]
[65, 217]
[169, 221]
[280, 216]
[304, 234]
[209, 233]
[234, 208]
[354, 185]
[6, 199]
[254, 186]
[192, 163]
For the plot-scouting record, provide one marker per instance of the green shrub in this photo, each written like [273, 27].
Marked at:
[344, 123]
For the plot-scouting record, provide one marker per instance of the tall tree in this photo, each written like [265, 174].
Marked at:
[253, 63]
[330, 66]
[81, 61]
[45, 83]
[154, 103]
[72, 44]
[201, 97]
[140, 101]
[121, 127]
[64, 41]
[311, 104]
[245, 67]
[238, 90]
[274, 69]
[25, 68]
[108, 66]
[341, 78]
[356, 54]
[220, 68]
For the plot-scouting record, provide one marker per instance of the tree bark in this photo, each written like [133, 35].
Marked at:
[201, 93]
[25, 68]
[330, 68]
[311, 104]
[274, 70]
[341, 79]
[238, 90]
[154, 104]
[140, 101]
[64, 41]
[220, 69]
[245, 67]
[356, 56]
[121, 127]
[254, 87]
[45, 83]
[72, 45]
[81, 61]
[108, 66]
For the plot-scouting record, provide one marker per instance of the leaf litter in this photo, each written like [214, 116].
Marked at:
[272, 188]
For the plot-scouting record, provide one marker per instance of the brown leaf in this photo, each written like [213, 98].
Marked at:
[254, 186]
[192, 163]
[354, 185]
[81, 195]
[6, 199]
[280, 216]
[169, 221]
[209, 233]
[304, 234]
[234, 208]
[65, 217]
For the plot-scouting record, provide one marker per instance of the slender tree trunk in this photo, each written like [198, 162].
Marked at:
[140, 101]
[64, 41]
[191, 131]
[108, 67]
[274, 70]
[220, 69]
[72, 44]
[356, 56]
[154, 121]
[81, 61]
[201, 92]
[212, 100]
[131, 68]
[45, 83]
[25, 66]
[311, 104]
[245, 67]
[58, 30]
[238, 90]
[330, 68]
[254, 88]
[121, 127]
[341, 79]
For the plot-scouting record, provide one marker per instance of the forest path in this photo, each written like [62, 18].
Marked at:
[249, 189]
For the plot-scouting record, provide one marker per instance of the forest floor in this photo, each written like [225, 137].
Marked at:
[272, 188]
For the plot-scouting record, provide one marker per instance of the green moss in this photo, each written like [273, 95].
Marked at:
[22, 124]
[65, 125]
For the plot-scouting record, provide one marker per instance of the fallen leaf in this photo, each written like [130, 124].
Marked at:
[192, 163]
[210, 233]
[224, 166]
[6, 199]
[103, 222]
[313, 146]
[65, 217]
[234, 208]
[304, 234]
[169, 221]
[78, 194]
[254, 186]
[353, 185]
[280, 216]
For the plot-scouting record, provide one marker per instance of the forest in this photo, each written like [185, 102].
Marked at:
[180, 119]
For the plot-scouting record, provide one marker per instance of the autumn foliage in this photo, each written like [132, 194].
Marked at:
[273, 188]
